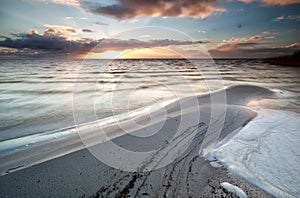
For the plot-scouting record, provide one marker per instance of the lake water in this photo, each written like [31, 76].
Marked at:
[45, 95]
[42, 100]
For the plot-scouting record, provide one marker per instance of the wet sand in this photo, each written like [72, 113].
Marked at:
[186, 174]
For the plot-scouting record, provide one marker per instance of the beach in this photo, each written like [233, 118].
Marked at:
[80, 173]
[158, 99]
[185, 147]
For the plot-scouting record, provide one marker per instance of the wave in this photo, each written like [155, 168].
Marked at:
[260, 146]
[265, 152]
[29, 150]
[39, 92]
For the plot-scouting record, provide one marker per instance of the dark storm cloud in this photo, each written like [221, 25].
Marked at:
[54, 42]
[48, 42]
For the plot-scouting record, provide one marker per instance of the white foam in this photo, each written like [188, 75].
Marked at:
[215, 164]
[266, 152]
[234, 189]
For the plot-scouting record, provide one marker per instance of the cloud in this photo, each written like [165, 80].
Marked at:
[270, 32]
[61, 28]
[272, 2]
[289, 17]
[237, 41]
[100, 23]
[246, 1]
[53, 43]
[74, 3]
[251, 47]
[119, 45]
[63, 31]
[293, 45]
[86, 30]
[47, 41]
[33, 32]
[68, 18]
[126, 9]
[280, 2]
[269, 37]
[7, 50]
[261, 52]
[59, 31]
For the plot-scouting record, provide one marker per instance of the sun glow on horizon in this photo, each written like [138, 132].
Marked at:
[150, 53]
[105, 55]
[143, 53]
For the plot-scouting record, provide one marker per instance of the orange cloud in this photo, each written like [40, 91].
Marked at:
[126, 9]
[7, 50]
[280, 2]
[33, 32]
[297, 44]
[61, 28]
[62, 31]
[242, 42]
[273, 2]
[243, 39]
[250, 50]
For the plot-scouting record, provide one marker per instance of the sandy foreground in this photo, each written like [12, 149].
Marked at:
[176, 168]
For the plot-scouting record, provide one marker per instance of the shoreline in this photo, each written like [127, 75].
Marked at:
[80, 174]
[87, 177]
[174, 169]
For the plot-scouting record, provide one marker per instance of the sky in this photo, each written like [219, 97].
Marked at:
[148, 29]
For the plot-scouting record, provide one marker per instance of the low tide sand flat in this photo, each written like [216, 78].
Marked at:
[74, 171]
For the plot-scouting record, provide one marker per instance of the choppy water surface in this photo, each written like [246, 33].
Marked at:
[37, 95]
